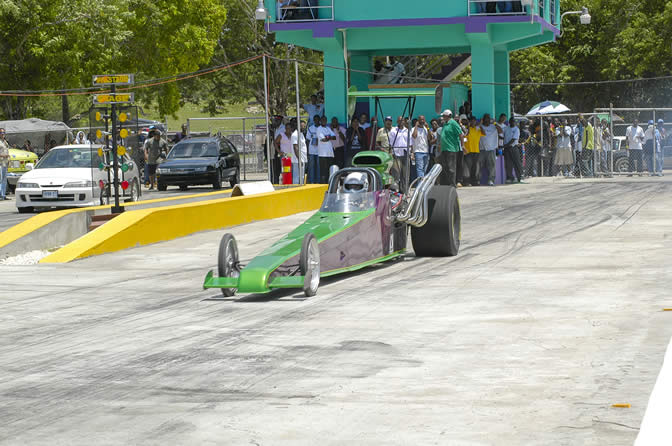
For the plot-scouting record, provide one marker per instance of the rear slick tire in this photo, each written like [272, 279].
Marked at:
[440, 236]
[309, 264]
[227, 261]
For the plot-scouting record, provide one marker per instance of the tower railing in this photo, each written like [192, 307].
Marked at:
[304, 11]
[490, 7]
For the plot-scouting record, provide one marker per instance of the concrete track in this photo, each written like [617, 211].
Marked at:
[550, 314]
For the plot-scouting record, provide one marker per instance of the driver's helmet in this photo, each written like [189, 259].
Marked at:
[356, 182]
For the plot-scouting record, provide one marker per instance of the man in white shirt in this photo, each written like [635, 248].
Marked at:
[300, 150]
[313, 109]
[325, 150]
[400, 141]
[634, 134]
[422, 139]
[313, 157]
[488, 146]
[512, 155]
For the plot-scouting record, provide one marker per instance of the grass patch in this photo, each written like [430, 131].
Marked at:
[194, 111]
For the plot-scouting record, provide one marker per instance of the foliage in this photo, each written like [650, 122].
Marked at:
[625, 40]
[242, 38]
[60, 44]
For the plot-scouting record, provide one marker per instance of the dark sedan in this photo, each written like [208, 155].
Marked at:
[195, 161]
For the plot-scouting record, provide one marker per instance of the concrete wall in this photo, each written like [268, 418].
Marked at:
[52, 231]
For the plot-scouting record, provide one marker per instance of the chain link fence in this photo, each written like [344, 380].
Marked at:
[610, 151]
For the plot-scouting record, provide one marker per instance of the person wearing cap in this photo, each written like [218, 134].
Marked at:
[383, 136]
[450, 144]
[651, 138]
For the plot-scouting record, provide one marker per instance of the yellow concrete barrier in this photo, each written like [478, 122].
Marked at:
[41, 220]
[145, 226]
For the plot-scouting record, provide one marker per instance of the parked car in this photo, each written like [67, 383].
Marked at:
[69, 176]
[19, 163]
[197, 161]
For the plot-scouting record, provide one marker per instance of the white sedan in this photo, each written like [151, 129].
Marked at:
[70, 176]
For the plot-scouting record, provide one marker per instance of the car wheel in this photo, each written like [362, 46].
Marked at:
[228, 263]
[25, 210]
[309, 263]
[11, 188]
[440, 236]
[162, 187]
[135, 192]
[622, 165]
[183, 187]
[217, 182]
[235, 179]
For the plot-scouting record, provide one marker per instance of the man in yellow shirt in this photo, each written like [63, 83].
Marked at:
[471, 153]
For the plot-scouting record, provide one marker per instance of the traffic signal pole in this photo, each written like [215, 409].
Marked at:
[116, 209]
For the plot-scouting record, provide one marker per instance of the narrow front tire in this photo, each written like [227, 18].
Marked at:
[309, 263]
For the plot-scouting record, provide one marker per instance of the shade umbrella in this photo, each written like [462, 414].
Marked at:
[548, 107]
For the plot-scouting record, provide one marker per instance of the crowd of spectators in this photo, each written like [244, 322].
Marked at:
[464, 146]
[574, 147]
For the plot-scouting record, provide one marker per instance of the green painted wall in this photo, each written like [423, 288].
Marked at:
[502, 92]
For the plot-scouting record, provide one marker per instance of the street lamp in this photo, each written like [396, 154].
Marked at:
[260, 13]
[584, 17]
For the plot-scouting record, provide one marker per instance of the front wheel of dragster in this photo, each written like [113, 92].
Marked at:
[440, 236]
[228, 261]
[309, 263]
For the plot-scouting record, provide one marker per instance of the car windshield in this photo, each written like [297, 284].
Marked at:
[354, 202]
[194, 150]
[70, 157]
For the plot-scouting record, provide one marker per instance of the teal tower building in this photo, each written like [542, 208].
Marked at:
[350, 33]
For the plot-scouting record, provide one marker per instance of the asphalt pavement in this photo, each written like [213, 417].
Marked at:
[550, 314]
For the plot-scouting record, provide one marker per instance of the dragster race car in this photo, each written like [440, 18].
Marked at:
[363, 220]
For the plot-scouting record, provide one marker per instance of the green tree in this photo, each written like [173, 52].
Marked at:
[60, 44]
[242, 38]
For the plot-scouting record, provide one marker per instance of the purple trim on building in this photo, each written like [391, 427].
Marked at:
[476, 24]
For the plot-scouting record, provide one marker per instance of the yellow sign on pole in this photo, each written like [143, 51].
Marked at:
[113, 79]
[116, 98]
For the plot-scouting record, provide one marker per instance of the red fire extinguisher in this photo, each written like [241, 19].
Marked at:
[286, 170]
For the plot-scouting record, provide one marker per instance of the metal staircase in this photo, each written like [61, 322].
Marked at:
[438, 67]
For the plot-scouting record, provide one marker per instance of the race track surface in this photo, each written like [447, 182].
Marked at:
[550, 314]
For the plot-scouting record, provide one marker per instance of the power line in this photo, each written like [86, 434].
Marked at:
[204, 71]
[429, 80]
[139, 85]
